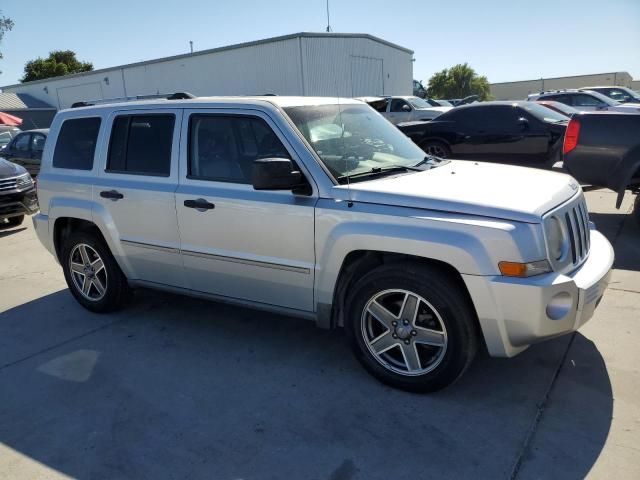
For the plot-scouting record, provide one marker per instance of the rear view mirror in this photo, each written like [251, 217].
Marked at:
[275, 174]
[524, 123]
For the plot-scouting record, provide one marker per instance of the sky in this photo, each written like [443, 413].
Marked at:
[502, 39]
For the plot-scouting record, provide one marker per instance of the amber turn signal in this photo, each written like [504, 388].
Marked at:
[516, 269]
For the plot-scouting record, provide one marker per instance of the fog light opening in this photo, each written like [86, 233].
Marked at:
[559, 306]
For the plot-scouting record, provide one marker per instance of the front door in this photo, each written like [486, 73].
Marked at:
[237, 242]
[19, 150]
[400, 111]
[136, 190]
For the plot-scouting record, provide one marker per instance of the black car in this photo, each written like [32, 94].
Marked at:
[520, 133]
[17, 194]
[26, 149]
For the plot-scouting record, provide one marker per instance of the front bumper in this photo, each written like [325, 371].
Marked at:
[15, 203]
[517, 312]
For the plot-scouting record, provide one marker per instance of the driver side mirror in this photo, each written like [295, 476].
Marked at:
[275, 174]
[524, 123]
[406, 108]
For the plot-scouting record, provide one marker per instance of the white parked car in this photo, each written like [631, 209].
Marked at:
[585, 101]
[405, 108]
[619, 94]
[319, 208]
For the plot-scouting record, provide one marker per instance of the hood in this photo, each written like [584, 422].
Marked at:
[8, 169]
[474, 188]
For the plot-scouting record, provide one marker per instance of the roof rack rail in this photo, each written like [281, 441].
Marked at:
[167, 96]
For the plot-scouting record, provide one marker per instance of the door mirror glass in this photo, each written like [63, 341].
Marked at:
[275, 174]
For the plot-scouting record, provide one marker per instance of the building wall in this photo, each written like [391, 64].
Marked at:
[635, 85]
[520, 90]
[345, 66]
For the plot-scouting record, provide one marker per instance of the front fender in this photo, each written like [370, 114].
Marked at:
[471, 245]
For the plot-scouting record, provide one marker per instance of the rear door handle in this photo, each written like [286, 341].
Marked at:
[111, 194]
[199, 204]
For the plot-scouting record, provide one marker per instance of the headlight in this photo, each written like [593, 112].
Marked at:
[24, 181]
[556, 239]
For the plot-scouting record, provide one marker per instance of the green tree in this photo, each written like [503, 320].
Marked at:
[458, 81]
[6, 24]
[58, 63]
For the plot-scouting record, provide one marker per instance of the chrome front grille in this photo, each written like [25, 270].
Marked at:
[573, 217]
[577, 224]
[8, 184]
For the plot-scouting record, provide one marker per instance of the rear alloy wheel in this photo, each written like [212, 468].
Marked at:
[411, 326]
[436, 149]
[92, 274]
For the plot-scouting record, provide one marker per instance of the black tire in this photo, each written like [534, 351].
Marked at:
[436, 148]
[116, 291]
[15, 221]
[636, 209]
[442, 292]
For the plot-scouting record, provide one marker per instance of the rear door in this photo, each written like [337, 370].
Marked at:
[19, 150]
[238, 242]
[136, 190]
[35, 154]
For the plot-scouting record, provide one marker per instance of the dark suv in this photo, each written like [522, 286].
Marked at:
[26, 149]
[17, 194]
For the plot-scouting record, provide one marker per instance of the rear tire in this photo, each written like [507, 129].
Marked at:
[15, 221]
[436, 148]
[92, 274]
[423, 338]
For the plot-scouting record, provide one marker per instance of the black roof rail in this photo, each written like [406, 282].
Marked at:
[81, 104]
[181, 96]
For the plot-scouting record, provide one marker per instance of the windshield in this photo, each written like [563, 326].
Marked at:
[603, 98]
[418, 102]
[351, 139]
[543, 113]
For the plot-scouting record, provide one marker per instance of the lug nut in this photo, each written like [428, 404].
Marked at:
[407, 341]
[394, 335]
[414, 333]
[406, 322]
[394, 323]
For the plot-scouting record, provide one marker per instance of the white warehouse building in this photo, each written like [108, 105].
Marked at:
[323, 64]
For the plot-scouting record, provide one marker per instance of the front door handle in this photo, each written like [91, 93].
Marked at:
[199, 204]
[111, 194]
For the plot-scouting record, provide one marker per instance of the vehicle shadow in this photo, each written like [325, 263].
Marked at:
[176, 387]
[5, 230]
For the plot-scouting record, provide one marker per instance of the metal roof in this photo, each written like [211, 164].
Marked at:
[20, 101]
[222, 49]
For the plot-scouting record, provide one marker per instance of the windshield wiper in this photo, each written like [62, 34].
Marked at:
[381, 171]
[432, 161]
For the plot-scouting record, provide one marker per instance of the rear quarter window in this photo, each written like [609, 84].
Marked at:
[76, 144]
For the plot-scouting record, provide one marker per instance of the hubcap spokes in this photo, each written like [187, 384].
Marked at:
[87, 272]
[404, 332]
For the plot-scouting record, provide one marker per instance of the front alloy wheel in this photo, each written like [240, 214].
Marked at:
[404, 332]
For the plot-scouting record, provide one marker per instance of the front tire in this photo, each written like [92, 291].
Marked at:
[92, 274]
[411, 326]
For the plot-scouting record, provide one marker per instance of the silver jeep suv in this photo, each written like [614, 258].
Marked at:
[319, 208]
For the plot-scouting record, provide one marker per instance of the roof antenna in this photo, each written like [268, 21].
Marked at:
[328, 22]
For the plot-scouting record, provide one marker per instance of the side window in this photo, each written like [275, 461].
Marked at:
[566, 99]
[37, 142]
[22, 143]
[617, 94]
[141, 144]
[397, 104]
[582, 100]
[223, 148]
[76, 144]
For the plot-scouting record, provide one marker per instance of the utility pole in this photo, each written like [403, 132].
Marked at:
[191, 45]
[328, 22]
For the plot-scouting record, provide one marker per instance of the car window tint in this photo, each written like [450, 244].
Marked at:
[223, 148]
[471, 116]
[76, 144]
[566, 99]
[583, 100]
[141, 144]
[397, 104]
[37, 142]
[617, 94]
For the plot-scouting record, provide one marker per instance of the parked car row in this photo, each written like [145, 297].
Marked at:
[585, 100]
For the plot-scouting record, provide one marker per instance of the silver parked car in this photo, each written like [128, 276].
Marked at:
[406, 108]
[319, 208]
